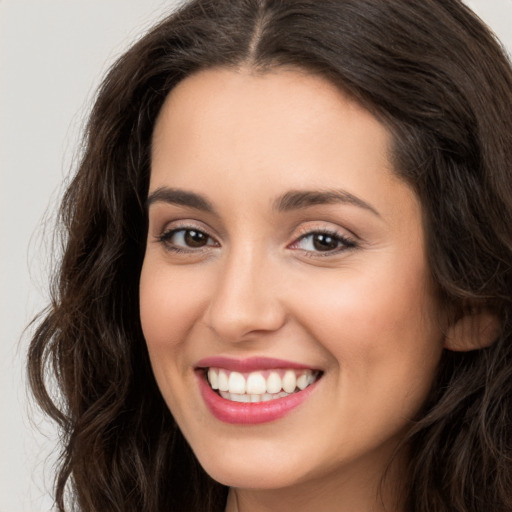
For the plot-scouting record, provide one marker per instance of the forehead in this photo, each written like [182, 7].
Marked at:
[285, 129]
[282, 106]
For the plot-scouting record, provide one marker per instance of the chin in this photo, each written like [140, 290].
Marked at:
[243, 477]
[265, 469]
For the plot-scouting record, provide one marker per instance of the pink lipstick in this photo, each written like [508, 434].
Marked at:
[245, 400]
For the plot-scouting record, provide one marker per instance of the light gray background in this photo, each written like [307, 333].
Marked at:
[52, 56]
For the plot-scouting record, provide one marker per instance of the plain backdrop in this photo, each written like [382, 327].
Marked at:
[53, 54]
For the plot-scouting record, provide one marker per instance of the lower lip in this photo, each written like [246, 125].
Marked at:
[248, 413]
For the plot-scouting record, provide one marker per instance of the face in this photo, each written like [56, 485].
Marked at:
[285, 267]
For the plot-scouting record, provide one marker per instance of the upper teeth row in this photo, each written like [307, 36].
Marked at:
[255, 383]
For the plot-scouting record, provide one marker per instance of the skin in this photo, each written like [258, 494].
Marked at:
[365, 313]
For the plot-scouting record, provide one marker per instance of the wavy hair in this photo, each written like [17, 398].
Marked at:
[442, 84]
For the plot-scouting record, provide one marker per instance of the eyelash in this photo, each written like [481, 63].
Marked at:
[344, 242]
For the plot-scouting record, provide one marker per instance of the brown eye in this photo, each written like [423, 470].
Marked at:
[324, 242]
[184, 239]
[193, 238]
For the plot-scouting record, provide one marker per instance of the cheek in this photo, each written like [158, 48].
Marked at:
[384, 349]
[380, 327]
[169, 305]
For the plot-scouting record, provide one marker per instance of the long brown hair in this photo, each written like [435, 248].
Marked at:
[440, 81]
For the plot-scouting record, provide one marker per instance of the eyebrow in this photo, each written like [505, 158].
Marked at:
[298, 199]
[179, 197]
[292, 200]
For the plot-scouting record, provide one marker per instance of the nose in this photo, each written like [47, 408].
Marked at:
[246, 299]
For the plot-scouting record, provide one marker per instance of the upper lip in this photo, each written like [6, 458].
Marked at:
[249, 364]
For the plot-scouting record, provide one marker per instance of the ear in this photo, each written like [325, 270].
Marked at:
[472, 331]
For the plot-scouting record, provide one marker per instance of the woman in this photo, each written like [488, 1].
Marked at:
[288, 262]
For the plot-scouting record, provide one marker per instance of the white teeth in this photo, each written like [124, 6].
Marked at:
[302, 382]
[266, 397]
[237, 397]
[223, 381]
[274, 383]
[213, 378]
[236, 383]
[256, 384]
[253, 387]
[289, 381]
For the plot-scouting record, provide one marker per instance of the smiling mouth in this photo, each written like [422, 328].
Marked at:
[259, 386]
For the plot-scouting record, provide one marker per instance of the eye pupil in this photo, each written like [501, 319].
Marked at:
[195, 238]
[323, 242]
